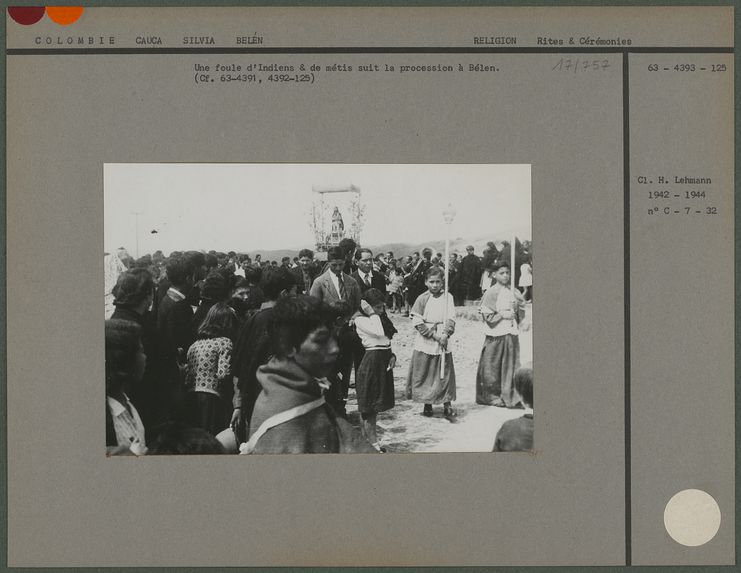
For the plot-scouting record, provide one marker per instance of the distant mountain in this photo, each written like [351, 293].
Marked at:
[276, 255]
[457, 245]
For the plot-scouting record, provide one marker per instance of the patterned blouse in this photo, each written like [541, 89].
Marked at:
[209, 365]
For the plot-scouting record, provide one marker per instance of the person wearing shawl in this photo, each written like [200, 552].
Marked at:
[291, 415]
[374, 380]
[434, 325]
[500, 356]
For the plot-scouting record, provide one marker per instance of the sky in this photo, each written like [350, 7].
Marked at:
[247, 207]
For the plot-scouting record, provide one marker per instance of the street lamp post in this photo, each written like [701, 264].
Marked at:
[448, 216]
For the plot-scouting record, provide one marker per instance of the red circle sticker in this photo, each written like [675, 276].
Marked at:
[26, 15]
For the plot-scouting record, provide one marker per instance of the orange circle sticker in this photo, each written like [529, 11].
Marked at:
[64, 15]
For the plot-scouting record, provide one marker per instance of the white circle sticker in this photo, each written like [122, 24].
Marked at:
[692, 517]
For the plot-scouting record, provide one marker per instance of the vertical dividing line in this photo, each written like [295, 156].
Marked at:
[3, 304]
[626, 302]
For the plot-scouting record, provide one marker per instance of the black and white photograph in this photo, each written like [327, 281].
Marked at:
[318, 308]
[320, 229]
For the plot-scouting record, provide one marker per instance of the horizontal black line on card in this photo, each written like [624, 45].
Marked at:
[366, 50]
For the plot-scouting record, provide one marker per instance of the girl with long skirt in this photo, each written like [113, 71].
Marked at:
[500, 356]
[374, 381]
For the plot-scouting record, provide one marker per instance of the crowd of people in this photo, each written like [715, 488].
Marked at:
[224, 353]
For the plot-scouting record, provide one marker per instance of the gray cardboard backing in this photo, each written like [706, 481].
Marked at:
[565, 505]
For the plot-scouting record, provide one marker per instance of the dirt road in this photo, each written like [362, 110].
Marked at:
[404, 429]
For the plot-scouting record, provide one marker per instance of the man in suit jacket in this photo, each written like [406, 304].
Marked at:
[338, 289]
[365, 276]
[334, 286]
[305, 272]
